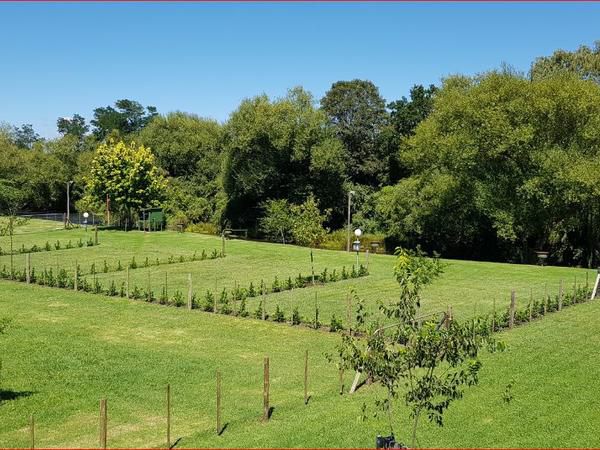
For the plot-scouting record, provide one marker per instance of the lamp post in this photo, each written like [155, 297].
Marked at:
[356, 244]
[350, 194]
[85, 218]
[68, 221]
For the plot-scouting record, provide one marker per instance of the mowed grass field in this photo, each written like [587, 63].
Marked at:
[65, 351]
[469, 287]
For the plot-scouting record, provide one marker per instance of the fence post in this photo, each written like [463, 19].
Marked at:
[341, 381]
[28, 263]
[312, 267]
[494, 316]
[149, 294]
[349, 312]
[530, 304]
[264, 303]
[218, 402]
[306, 377]
[189, 305]
[575, 290]
[560, 295]
[168, 415]
[367, 260]
[545, 298]
[103, 423]
[222, 245]
[96, 235]
[266, 389]
[32, 431]
[511, 316]
[127, 281]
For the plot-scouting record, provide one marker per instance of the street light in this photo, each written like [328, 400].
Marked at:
[85, 218]
[350, 194]
[356, 244]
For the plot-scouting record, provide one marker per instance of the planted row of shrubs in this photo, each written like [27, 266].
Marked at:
[134, 264]
[229, 302]
[537, 308]
[58, 245]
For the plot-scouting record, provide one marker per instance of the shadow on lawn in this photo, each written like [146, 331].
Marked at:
[6, 396]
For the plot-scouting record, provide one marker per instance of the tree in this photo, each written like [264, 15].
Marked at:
[406, 114]
[72, 126]
[128, 116]
[280, 149]
[485, 182]
[25, 136]
[189, 149]
[357, 114]
[128, 175]
[584, 62]
[11, 201]
[277, 221]
[425, 362]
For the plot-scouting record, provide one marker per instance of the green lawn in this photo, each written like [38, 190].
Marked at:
[469, 287]
[67, 350]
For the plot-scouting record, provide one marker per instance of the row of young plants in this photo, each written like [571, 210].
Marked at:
[147, 262]
[537, 308]
[228, 301]
[48, 247]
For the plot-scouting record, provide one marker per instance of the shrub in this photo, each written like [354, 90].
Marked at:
[202, 227]
[105, 267]
[362, 271]
[146, 262]
[112, 289]
[353, 273]
[289, 284]
[276, 286]
[242, 311]
[258, 312]
[344, 273]
[48, 247]
[119, 266]
[178, 299]
[251, 291]
[122, 292]
[214, 254]
[300, 282]
[203, 255]
[209, 301]
[323, 276]
[164, 296]
[133, 264]
[80, 243]
[90, 242]
[296, 320]
[56, 246]
[334, 276]
[69, 244]
[279, 316]
[336, 324]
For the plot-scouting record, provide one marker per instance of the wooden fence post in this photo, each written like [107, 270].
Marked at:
[511, 315]
[266, 389]
[28, 263]
[367, 259]
[168, 415]
[127, 281]
[560, 295]
[494, 316]
[575, 290]
[306, 377]
[312, 267]
[96, 235]
[189, 300]
[545, 298]
[103, 423]
[218, 402]
[530, 304]
[263, 289]
[341, 381]
[349, 312]
[32, 431]
[76, 280]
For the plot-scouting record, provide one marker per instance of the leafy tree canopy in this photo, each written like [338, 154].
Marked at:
[127, 116]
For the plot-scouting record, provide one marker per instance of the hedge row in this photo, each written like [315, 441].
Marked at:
[58, 245]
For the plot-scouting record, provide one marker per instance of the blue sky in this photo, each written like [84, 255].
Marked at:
[58, 59]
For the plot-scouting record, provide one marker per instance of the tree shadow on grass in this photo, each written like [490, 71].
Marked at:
[8, 395]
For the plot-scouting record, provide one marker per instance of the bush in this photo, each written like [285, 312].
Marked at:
[338, 239]
[209, 302]
[296, 320]
[279, 316]
[336, 324]
[203, 228]
[178, 299]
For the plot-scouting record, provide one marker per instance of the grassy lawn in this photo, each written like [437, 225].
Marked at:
[67, 350]
[469, 287]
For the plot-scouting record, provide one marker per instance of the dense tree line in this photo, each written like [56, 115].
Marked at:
[492, 166]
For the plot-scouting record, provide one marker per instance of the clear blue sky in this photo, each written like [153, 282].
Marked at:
[58, 59]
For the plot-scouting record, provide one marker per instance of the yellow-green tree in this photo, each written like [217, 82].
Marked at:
[128, 175]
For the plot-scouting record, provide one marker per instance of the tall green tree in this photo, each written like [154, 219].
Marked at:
[72, 126]
[280, 149]
[127, 116]
[585, 62]
[127, 174]
[357, 113]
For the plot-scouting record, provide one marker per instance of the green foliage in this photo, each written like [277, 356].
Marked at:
[279, 315]
[128, 175]
[584, 62]
[296, 319]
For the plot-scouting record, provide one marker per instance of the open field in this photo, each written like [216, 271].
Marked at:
[469, 287]
[67, 350]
